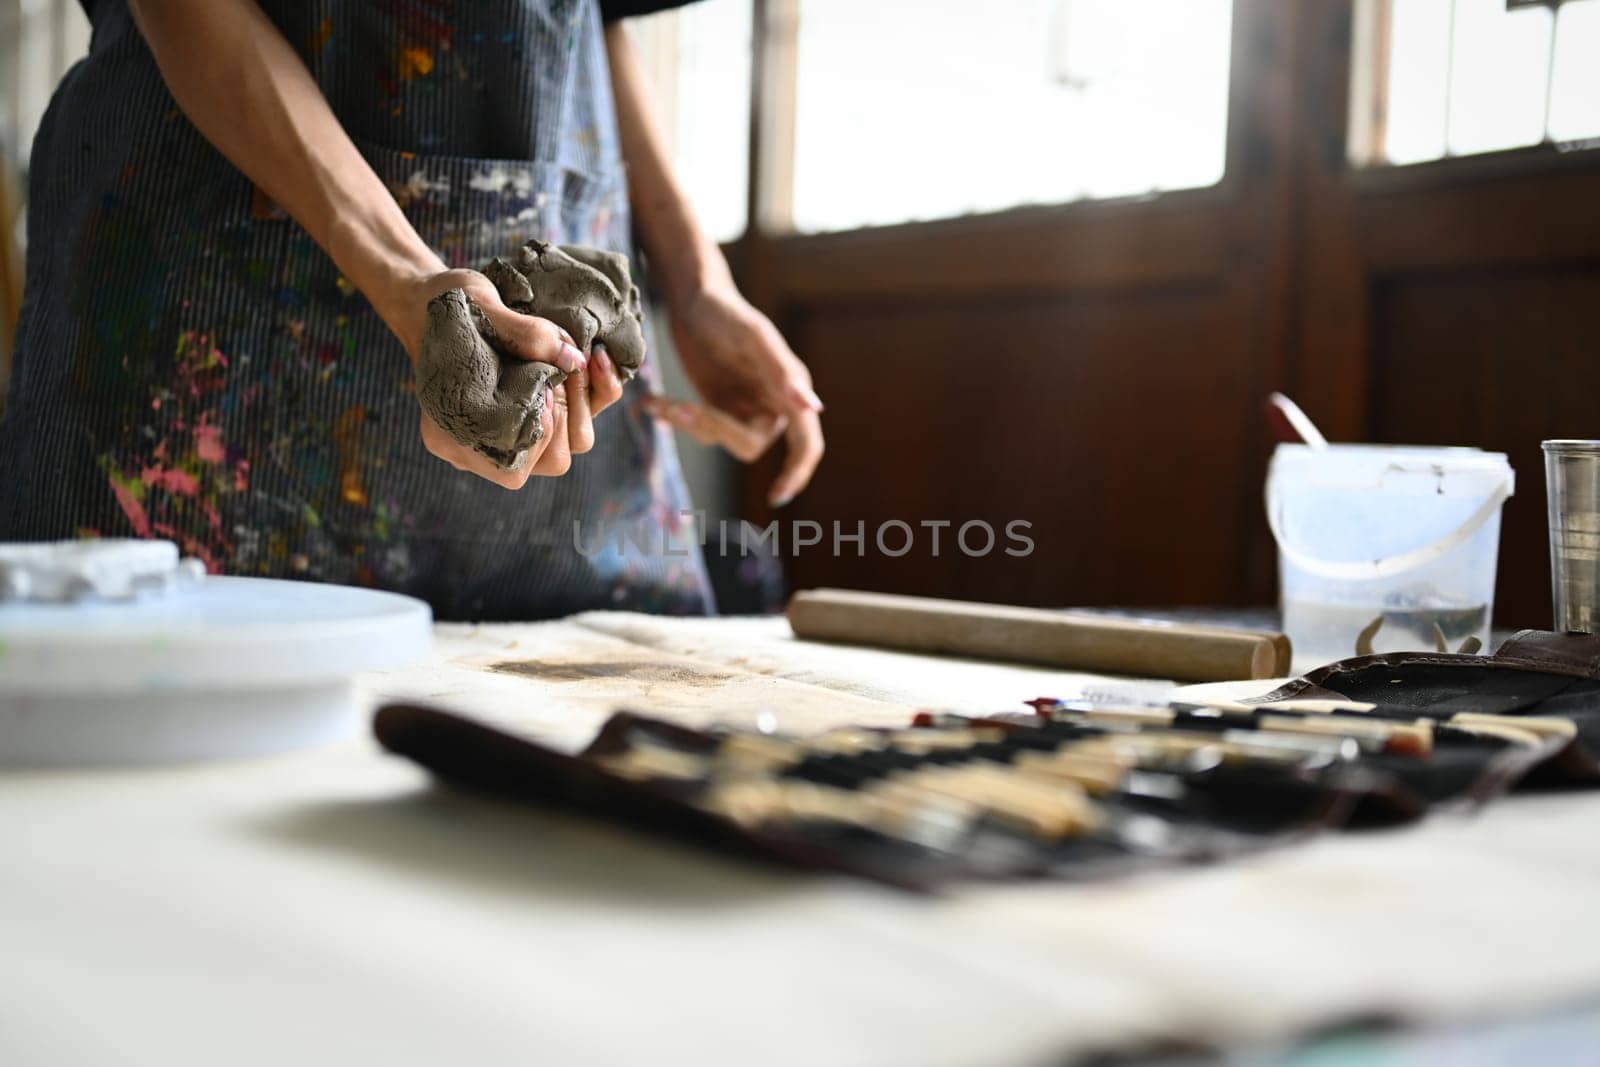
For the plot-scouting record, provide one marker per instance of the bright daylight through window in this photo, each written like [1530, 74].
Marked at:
[946, 107]
[1438, 78]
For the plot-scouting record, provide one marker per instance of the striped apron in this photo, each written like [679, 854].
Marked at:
[190, 365]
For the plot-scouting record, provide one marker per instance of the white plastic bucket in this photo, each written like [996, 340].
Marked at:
[1385, 548]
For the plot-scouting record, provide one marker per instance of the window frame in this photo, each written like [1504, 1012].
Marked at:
[775, 34]
[1365, 89]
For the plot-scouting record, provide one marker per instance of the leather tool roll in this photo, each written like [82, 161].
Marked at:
[1083, 642]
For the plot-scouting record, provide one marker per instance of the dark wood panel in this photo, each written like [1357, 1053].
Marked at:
[1180, 240]
[1523, 220]
[1121, 427]
[1501, 361]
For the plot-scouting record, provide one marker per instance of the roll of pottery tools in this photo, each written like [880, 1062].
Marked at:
[1071, 641]
[118, 652]
[1072, 789]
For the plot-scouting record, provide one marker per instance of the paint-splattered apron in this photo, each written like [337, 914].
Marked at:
[190, 365]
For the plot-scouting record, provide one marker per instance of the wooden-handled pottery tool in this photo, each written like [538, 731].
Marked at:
[1083, 642]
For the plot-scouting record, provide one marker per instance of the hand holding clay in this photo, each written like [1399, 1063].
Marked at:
[562, 390]
[492, 369]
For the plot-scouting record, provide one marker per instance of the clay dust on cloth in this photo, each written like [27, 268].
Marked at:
[191, 366]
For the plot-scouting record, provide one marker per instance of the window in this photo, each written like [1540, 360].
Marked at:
[948, 107]
[698, 61]
[1439, 78]
[880, 111]
[39, 40]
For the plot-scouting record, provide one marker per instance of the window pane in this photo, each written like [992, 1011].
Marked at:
[1469, 76]
[1575, 84]
[1419, 80]
[1500, 76]
[698, 61]
[948, 107]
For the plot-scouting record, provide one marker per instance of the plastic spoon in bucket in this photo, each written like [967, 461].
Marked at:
[1292, 422]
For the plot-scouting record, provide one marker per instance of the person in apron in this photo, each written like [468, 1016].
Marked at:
[237, 214]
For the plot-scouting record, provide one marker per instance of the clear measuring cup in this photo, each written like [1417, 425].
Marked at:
[1572, 494]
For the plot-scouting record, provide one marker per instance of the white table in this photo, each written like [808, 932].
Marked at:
[335, 907]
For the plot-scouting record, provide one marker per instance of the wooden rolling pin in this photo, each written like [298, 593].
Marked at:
[1179, 651]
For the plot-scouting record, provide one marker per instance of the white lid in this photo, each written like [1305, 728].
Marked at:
[221, 633]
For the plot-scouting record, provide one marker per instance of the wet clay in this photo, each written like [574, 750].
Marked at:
[492, 401]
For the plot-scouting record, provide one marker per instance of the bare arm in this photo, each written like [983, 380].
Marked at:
[754, 386]
[242, 85]
[246, 90]
[678, 247]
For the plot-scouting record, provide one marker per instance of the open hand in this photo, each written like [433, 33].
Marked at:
[754, 388]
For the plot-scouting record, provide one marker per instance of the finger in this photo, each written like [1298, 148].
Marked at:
[557, 458]
[800, 463]
[802, 397]
[580, 424]
[744, 440]
[547, 437]
[797, 389]
[527, 336]
[605, 384]
[532, 338]
[682, 415]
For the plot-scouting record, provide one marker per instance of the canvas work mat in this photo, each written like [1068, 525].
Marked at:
[337, 903]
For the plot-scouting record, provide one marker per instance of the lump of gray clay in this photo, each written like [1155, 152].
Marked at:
[491, 401]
